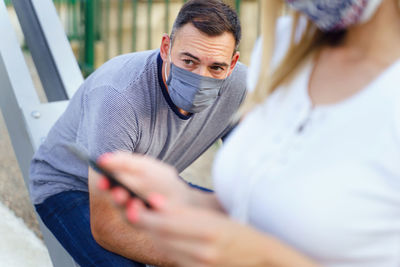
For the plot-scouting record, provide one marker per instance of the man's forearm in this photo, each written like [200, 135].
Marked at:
[115, 234]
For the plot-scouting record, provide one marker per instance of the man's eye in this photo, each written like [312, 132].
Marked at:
[217, 68]
[188, 62]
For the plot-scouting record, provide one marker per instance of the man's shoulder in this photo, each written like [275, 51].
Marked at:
[119, 72]
[240, 71]
[236, 82]
[133, 59]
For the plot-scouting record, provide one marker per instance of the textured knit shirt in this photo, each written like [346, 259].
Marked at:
[124, 105]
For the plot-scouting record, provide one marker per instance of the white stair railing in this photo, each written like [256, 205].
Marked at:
[28, 121]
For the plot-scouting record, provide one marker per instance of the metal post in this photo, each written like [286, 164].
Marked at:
[166, 29]
[39, 48]
[107, 29]
[52, 54]
[89, 37]
[237, 6]
[98, 20]
[75, 34]
[149, 4]
[134, 24]
[120, 24]
[15, 119]
[28, 120]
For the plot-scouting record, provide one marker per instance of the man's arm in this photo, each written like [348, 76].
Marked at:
[115, 234]
[111, 125]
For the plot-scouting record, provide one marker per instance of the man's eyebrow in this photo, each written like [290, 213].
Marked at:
[219, 64]
[190, 55]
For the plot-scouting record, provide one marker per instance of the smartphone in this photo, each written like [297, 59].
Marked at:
[109, 176]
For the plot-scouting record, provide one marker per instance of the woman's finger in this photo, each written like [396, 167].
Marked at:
[141, 173]
[157, 201]
[135, 208]
[132, 210]
[173, 219]
[119, 195]
[103, 184]
[133, 163]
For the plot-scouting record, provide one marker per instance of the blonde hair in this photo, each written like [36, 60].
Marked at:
[268, 81]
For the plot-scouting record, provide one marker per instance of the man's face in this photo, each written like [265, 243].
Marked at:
[209, 56]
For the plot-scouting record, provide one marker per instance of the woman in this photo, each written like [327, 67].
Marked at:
[312, 174]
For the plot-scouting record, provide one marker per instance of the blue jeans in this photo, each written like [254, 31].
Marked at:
[68, 218]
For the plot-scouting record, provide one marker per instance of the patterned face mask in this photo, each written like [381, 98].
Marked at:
[336, 15]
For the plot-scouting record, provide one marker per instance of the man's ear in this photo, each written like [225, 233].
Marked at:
[235, 59]
[164, 48]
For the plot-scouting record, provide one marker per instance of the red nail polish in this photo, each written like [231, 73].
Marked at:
[119, 195]
[104, 158]
[131, 211]
[103, 184]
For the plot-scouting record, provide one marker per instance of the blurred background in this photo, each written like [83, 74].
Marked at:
[97, 31]
[101, 29]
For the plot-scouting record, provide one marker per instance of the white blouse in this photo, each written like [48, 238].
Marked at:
[324, 180]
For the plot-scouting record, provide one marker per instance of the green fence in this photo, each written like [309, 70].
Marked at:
[101, 29]
[92, 24]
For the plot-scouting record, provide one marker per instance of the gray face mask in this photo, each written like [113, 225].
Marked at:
[192, 92]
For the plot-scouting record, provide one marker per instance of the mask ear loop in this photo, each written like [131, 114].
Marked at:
[226, 76]
[167, 77]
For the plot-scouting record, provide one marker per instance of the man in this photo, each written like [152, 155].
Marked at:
[172, 103]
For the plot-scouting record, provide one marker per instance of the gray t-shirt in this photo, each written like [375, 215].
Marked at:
[124, 105]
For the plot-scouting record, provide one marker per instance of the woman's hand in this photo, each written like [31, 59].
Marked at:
[193, 236]
[189, 233]
[144, 175]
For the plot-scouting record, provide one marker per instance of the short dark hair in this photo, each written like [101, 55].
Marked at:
[212, 17]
